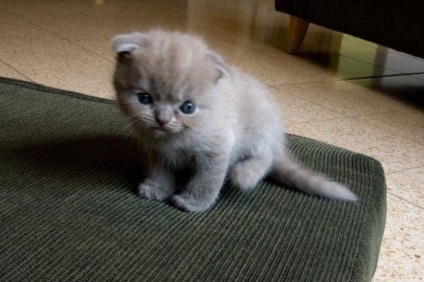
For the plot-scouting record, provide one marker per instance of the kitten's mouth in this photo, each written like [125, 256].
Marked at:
[163, 130]
[160, 130]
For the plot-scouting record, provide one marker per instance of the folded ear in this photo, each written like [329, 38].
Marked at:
[128, 42]
[221, 67]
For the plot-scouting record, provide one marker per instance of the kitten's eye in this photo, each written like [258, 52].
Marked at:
[188, 107]
[144, 98]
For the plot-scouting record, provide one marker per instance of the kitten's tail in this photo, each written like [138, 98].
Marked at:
[288, 171]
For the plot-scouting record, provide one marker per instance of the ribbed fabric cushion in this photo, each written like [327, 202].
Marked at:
[69, 212]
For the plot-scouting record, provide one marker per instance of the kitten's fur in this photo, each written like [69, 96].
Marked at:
[235, 131]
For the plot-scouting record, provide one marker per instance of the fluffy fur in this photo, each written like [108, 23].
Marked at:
[192, 112]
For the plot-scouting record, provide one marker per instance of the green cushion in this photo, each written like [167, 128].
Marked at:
[68, 209]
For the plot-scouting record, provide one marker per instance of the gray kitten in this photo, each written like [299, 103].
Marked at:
[189, 110]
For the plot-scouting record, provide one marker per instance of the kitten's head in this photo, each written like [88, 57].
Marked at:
[165, 80]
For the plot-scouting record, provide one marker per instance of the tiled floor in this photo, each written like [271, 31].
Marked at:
[339, 89]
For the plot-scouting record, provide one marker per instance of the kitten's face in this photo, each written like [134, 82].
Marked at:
[164, 81]
[156, 114]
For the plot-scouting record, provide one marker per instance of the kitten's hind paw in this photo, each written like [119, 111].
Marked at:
[189, 204]
[152, 191]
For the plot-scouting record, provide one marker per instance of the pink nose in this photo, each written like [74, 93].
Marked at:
[163, 115]
[162, 120]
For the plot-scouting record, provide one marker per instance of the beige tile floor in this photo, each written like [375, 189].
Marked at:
[338, 89]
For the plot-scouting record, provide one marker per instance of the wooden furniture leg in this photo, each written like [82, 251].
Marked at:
[297, 32]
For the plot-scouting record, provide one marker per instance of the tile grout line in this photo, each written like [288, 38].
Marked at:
[57, 35]
[380, 66]
[382, 76]
[275, 85]
[312, 102]
[347, 79]
[402, 170]
[388, 131]
[402, 199]
[345, 116]
[388, 173]
[10, 66]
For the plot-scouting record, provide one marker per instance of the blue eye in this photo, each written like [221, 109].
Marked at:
[144, 98]
[188, 107]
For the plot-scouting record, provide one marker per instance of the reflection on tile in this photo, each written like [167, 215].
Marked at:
[405, 88]
[326, 41]
[348, 68]
[395, 152]
[402, 251]
[408, 185]
[342, 96]
[254, 20]
[347, 56]
[273, 67]
[392, 60]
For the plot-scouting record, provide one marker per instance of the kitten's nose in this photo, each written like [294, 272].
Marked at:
[163, 116]
[162, 121]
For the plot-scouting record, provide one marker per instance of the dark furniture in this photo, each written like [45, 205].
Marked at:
[391, 23]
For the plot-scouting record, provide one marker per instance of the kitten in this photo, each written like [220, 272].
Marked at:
[190, 110]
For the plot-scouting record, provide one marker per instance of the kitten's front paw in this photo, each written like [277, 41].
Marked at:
[152, 191]
[189, 204]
